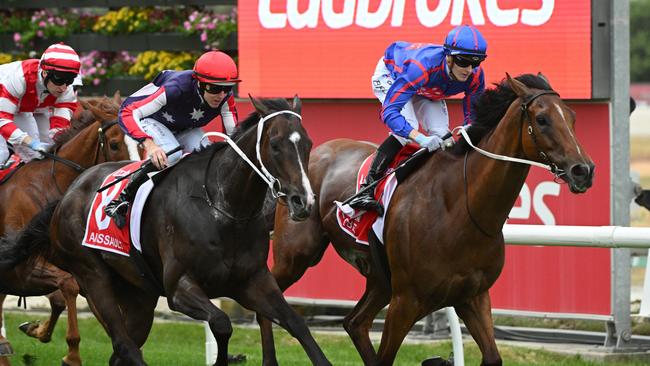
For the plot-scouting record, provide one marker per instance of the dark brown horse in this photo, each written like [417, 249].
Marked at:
[204, 236]
[93, 139]
[442, 234]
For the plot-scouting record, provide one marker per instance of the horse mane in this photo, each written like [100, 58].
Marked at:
[86, 118]
[273, 105]
[491, 106]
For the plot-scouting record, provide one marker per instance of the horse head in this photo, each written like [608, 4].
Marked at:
[283, 149]
[111, 145]
[550, 134]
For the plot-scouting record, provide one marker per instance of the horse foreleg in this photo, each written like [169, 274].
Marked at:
[43, 330]
[403, 312]
[189, 299]
[70, 290]
[359, 321]
[477, 316]
[97, 282]
[5, 346]
[263, 296]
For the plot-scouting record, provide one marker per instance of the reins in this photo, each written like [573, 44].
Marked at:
[460, 130]
[262, 172]
[101, 146]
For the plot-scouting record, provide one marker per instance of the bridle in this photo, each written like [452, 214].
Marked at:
[271, 181]
[552, 167]
[101, 146]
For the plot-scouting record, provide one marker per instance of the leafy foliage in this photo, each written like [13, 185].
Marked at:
[640, 40]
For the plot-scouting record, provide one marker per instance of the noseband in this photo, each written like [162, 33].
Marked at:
[531, 132]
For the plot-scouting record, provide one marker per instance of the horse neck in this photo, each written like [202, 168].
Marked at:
[236, 185]
[82, 148]
[494, 185]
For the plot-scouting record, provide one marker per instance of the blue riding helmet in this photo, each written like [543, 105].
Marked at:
[466, 40]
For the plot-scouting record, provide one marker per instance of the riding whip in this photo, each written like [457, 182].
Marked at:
[145, 164]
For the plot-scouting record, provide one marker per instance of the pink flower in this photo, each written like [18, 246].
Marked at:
[204, 36]
[192, 17]
[211, 25]
[39, 33]
[187, 25]
[96, 81]
[102, 72]
[42, 24]
[17, 37]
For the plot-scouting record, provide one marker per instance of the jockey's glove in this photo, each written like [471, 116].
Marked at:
[431, 143]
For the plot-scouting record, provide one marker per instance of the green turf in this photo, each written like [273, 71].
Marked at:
[173, 343]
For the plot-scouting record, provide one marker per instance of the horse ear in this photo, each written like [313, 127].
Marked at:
[297, 104]
[84, 104]
[518, 87]
[117, 97]
[543, 77]
[259, 106]
[93, 109]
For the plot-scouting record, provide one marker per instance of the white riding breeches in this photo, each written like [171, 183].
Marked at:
[419, 111]
[167, 140]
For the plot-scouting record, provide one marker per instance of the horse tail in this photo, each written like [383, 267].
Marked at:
[32, 241]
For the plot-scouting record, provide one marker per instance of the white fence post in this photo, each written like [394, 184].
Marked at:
[645, 298]
[456, 336]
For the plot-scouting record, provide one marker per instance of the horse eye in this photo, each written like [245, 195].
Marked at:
[275, 146]
[541, 121]
[114, 146]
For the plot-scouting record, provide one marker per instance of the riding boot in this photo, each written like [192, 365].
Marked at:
[118, 208]
[384, 156]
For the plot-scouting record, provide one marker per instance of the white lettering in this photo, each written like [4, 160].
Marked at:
[432, 18]
[539, 16]
[475, 12]
[338, 20]
[357, 12]
[307, 19]
[367, 19]
[541, 209]
[523, 211]
[501, 17]
[106, 196]
[538, 205]
[270, 20]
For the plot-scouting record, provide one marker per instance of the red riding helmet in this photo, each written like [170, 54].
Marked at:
[60, 57]
[215, 67]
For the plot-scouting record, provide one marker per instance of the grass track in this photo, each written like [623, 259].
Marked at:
[182, 344]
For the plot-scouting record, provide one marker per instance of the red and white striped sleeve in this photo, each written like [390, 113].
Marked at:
[12, 88]
[133, 113]
[229, 115]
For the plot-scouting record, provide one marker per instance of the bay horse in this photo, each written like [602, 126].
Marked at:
[443, 230]
[93, 138]
[204, 236]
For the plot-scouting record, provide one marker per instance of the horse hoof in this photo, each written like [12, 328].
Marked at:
[5, 348]
[239, 358]
[436, 361]
[28, 327]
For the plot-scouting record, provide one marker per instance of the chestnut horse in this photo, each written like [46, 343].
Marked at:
[442, 234]
[205, 236]
[93, 139]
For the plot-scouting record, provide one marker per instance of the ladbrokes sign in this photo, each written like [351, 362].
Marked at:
[329, 48]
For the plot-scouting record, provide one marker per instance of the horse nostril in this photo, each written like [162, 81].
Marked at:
[581, 171]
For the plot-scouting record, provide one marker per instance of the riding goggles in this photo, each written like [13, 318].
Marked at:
[60, 78]
[216, 89]
[466, 60]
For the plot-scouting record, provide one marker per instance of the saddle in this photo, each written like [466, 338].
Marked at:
[10, 167]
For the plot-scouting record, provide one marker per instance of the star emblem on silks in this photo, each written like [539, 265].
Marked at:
[196, 114]
[168, 117]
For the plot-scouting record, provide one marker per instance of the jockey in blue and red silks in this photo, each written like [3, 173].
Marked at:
[170, 111]
[412, 80]
[28, 90]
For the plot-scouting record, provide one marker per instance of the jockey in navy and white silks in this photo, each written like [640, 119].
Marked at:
[171, 110]
[32, 87]
[412, 80]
